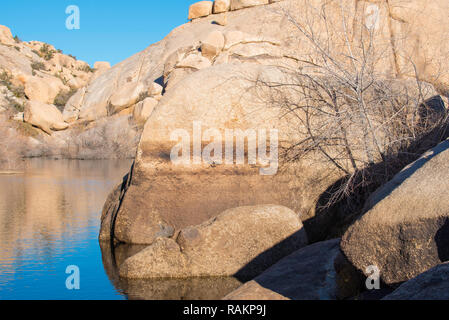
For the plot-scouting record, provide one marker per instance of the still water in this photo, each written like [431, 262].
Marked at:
[49, 220]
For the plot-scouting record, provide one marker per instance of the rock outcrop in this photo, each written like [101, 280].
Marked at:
[206, 82]
[240, 242]
[6, 36]
[405, 230]
[44, 89]
[200, 9]
[307, 274]
[35, 76]
[430, 285]
[142, 111]
[176, 193]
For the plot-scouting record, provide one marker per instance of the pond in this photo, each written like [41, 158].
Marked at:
[49, 220]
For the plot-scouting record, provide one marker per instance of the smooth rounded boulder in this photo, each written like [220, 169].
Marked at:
[405, 230]
[44, 116]
[143, 110]
[240, 4]
[125, 97]
[165, 194]
[221, 6]
[241, 242]
[6, 36]
[44, 89]
[200, 9]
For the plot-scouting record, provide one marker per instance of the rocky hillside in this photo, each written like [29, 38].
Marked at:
[354, 99]
[36, 82]
[341, 96]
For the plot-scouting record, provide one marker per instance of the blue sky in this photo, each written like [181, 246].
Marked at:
[110, 30]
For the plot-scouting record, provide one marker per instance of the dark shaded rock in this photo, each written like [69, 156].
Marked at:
[430, 285]
[405, 230]
[307, 274]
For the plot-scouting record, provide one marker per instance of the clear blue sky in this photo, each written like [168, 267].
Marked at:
[110, 30]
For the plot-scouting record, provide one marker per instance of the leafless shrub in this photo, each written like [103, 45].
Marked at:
[62, 98]
[12, 146]
[112, 138]
[350, 116]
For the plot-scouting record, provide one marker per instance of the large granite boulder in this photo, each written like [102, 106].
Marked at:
[200, 9]
[6, 36]
[221, 6]
[142, 111]
[165, 194]
[126, 96]
[44, 89]
[44, 116]
[240, 4]
[73, 105]
[405, 230]
[430, 285]
[240, 242]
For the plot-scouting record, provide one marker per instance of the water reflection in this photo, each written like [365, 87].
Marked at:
[49, 218]
[162, 289]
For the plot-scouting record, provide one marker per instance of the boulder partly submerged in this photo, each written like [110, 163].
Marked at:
[430, 285]
[240, 242]
[405, 230]
[165, 195]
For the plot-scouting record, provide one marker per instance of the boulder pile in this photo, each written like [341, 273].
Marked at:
[205, 8]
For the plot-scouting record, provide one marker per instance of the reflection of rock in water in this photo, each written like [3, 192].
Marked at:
[180, 289]
[113, 259]
[161, 289]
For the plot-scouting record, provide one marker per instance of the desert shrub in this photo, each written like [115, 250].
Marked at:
[17, 39]
[62, 98]
[142, 96]
[36, 65]
[6, 80]
[46, 52]
[12, 146]
[27, 130]
[347, 115]
[110, 138]
[18, 91]
[86, 69]
[15, 106]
